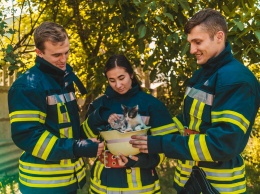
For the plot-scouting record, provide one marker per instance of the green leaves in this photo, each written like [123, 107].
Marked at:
[257, 34]
[239, 24]
[141, 31]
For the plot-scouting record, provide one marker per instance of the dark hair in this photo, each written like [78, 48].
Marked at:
[211, 20]
[49, 31]
[120, 61]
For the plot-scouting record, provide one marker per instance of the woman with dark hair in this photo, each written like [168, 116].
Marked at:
[132, 174]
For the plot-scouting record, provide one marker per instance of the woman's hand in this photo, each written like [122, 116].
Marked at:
[123, 160]
[112, 118]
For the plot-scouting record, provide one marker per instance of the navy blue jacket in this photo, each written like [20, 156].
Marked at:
[140, 176]
[221, 103]
[45, 125]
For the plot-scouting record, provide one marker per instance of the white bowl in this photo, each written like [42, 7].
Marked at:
[118, 143]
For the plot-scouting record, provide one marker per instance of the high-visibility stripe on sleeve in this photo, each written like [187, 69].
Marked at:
[198, 148]
[165, 129]
[178, 124]
[44, 145]
[87, 130]
[231, 117]
[27, 116]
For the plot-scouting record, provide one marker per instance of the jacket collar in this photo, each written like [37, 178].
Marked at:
[223, 58]
[212, 66]
[56, 73]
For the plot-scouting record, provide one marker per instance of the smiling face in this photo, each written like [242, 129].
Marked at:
[55, 53]
[203, 46]
[119, 80]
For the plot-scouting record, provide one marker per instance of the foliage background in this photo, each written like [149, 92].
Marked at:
[149, 33]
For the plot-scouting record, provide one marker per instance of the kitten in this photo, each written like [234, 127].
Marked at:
[119, 124]
[133, 118]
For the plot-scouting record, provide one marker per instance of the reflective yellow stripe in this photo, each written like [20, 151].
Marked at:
[178, 124]
[198, 148]
[66, 132]
[101, 189]
[192, 110]
[27, 115]
[80, 169]
[162, 157]
[87, 130]
[204, 148]
[199, 116]
[224, 180]
[97, 171]
[47, 181]
[196, 114]
[46, 169]
[231, 117]
[63, 117]
[165, 129]
[133, 177]
[65, 161]
[44, 145]
[192, 147]
[52, 175]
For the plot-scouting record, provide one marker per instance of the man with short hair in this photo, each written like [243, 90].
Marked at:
[45, 121]
[220, 106]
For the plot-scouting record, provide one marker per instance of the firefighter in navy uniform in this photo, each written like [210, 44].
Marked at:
[134, 174]
[45, 121]
[220, 106]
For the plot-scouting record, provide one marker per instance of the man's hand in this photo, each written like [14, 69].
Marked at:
[140, 141]
[100, 145]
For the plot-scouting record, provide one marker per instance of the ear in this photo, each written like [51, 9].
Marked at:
[220, 36]
[136, 107]
[38, 52]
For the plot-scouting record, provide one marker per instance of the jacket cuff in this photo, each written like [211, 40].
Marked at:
[130, 163]
[154, 144]
[85, 148]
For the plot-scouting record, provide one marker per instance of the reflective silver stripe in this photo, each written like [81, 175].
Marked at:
[219, 177]
[64, 132]
[230, 116]
[201, 96]
[44, 145]
[47, 168]
[231, 189]
[46, 180]
[65, 118]
[194, 116]
[112, 190]
[198, 148]
[62, 98]
[163, 130]
[133, 174]
[69, 96]
[224, 174]
[98, 168]
[81, 174]
[28, 116]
